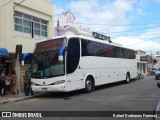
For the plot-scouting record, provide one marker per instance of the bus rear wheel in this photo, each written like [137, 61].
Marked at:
[89, 85]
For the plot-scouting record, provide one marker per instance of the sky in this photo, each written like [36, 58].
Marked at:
[133, 23]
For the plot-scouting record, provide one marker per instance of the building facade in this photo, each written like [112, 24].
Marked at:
[24, 22]
[141, 61]
[68, 25]
[156, 60]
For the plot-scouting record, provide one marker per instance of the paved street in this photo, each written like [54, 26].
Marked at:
[139, 95]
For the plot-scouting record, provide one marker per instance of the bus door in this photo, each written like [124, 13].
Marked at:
[74, 73]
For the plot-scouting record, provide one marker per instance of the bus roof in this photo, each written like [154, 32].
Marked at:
[85, 37]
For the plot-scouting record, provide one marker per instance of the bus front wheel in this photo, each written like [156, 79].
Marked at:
[127, 78]
[89, 85]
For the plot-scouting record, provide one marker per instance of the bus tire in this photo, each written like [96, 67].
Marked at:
[127, 78]
[89, 85]
[142, 76]
[32, 93]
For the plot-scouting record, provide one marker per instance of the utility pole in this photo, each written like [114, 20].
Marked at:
[151, 60]
[17, 76]
[17, 68]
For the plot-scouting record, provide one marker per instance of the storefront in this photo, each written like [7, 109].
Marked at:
[12, 33]
[141, 61]
[142, 66]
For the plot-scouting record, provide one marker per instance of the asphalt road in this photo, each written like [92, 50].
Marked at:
[138, 95]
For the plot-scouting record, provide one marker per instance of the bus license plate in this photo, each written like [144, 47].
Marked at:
[44, 89]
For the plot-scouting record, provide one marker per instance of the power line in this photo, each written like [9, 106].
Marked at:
[135, 24]
[143, 41]
[155, 37]
[135, 44]
[133, 30]
[117, 31]
[123, 24]
[139, 36]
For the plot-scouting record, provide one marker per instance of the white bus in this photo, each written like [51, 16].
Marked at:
[74, 62]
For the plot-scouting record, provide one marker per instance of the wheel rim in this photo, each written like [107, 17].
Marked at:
[89, 85]
[127, 78]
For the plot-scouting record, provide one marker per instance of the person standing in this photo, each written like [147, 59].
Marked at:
[0, 84]
[27, 81]
[7, 85]
[13, 82]
[2, 81]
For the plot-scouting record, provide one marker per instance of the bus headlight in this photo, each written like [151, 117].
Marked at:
[32, 83]
[59, 82]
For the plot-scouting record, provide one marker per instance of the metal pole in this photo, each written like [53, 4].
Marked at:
[17, 76]
[151, 59]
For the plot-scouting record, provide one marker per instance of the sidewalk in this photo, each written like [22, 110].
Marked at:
[13, 98]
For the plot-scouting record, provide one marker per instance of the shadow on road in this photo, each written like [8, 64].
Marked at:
[69, 95]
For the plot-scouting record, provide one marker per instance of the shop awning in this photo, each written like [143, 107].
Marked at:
[3, 52]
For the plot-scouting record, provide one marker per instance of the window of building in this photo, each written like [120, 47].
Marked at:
[30, 26]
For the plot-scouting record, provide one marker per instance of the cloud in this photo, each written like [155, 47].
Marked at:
[102, 12]
[57, 12]
[147, 41]
[158, 1]
[140, 11]
[138, 44]
[151, 33]
[101, 16]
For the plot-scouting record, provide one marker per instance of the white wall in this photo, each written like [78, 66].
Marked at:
[42, 9]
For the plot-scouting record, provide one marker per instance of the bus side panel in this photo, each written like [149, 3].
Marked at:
[75, 80]
[111, 69]
[95, 73]
[89, 67]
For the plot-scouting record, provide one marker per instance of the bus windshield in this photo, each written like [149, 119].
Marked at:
[45, 62]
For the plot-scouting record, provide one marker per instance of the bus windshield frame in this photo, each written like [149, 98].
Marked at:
[45, 62]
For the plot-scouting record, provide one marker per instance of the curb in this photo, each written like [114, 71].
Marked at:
[18, 99]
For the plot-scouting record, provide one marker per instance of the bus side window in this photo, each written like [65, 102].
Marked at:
[115, 52]
[73, 55]
[87, 47]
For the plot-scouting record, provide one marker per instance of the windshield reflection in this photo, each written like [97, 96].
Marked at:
[46, 65]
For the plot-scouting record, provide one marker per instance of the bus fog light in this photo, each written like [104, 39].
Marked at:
[59, 82]
[33, 84]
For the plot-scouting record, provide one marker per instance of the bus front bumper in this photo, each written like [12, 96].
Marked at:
[50, 88]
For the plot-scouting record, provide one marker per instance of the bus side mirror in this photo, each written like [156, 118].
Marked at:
[25, 56]
[61, 52]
